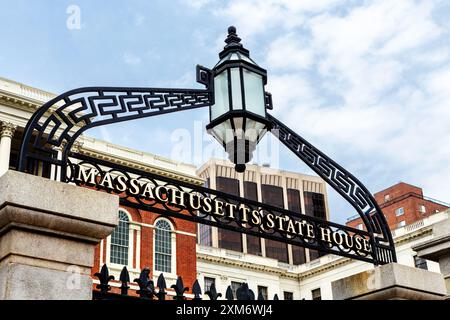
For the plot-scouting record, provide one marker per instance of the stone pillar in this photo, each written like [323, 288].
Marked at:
[390, 282]
[48, 232]
[438, 249]
[6, 134]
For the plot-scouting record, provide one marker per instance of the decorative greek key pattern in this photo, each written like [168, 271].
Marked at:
[349, 187]
[78, 110]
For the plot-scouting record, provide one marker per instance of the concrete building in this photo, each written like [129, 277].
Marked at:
[271, 265]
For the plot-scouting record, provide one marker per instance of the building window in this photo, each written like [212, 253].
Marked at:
[205, 234]
[387, 197]
[314, 254]
[263, 292]
[254, 245]
[401, 224]
[163, 246]
[205, 231]
[294, 204]
[234, 286]
[422, 209]
[316, 294]
[230, 240]
[315, 205]
[288, 295]
[399, 211]
[298, 255]
[360, 226]
[420, 263]
[120, 240]
[208, 283]
[253, 242]
[273, 195]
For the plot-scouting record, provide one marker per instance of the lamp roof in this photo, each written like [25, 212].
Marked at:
[234, 50]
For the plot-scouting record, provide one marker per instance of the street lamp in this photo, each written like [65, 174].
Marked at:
[238, 118]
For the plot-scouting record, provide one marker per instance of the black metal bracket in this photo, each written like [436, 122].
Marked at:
[59, 122]
[347, 185]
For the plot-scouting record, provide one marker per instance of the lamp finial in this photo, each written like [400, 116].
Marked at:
[232, 38]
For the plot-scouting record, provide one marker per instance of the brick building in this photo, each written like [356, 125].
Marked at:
[402, 204]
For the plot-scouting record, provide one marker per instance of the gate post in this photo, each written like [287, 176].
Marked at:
[391, 281]
[438, 249]
[48, 233]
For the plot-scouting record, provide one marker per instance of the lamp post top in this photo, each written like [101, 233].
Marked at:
[233, 44]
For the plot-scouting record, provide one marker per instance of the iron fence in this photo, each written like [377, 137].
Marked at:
[148, 291]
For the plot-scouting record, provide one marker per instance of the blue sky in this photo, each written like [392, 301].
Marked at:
[365, 81]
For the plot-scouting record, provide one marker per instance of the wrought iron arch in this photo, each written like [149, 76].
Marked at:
[59, 122]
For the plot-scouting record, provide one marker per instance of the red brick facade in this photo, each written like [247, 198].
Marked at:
[185, 241]
[406, 196]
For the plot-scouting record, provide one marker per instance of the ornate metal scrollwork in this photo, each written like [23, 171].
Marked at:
[78, 110]
[348, 186]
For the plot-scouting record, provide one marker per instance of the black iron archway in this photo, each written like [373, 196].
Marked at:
[52, 130]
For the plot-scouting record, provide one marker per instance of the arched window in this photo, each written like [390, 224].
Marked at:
[163, 246]
[120, 240]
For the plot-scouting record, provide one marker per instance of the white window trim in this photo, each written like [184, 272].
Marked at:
[397, 210]
[131, 227]
[173, 261]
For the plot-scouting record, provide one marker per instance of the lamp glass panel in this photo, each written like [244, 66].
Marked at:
[239, 127]
[223, 132]
[254, 130]
[236, 92]
[254, 93]
[221, 102]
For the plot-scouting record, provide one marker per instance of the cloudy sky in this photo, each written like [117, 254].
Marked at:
[368, 82]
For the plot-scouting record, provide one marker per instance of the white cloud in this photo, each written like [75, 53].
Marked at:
[289, 52]
[369, 82]
[139, 20]
[197, 4]
[131, 59]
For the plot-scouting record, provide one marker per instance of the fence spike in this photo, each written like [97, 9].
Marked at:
[229, 293]
[125, 279]
[244, 293]
[161, 284]
[180, 289]
[146, 286]
[260, 296]
[275, 297]
[104, 278]
[196, 290]
[212, 292]
[251, 295]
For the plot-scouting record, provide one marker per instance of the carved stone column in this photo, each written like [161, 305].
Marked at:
[6, 134]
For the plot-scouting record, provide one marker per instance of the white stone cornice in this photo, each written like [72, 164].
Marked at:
[246, 265]
[7, 129]
[140, 166]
